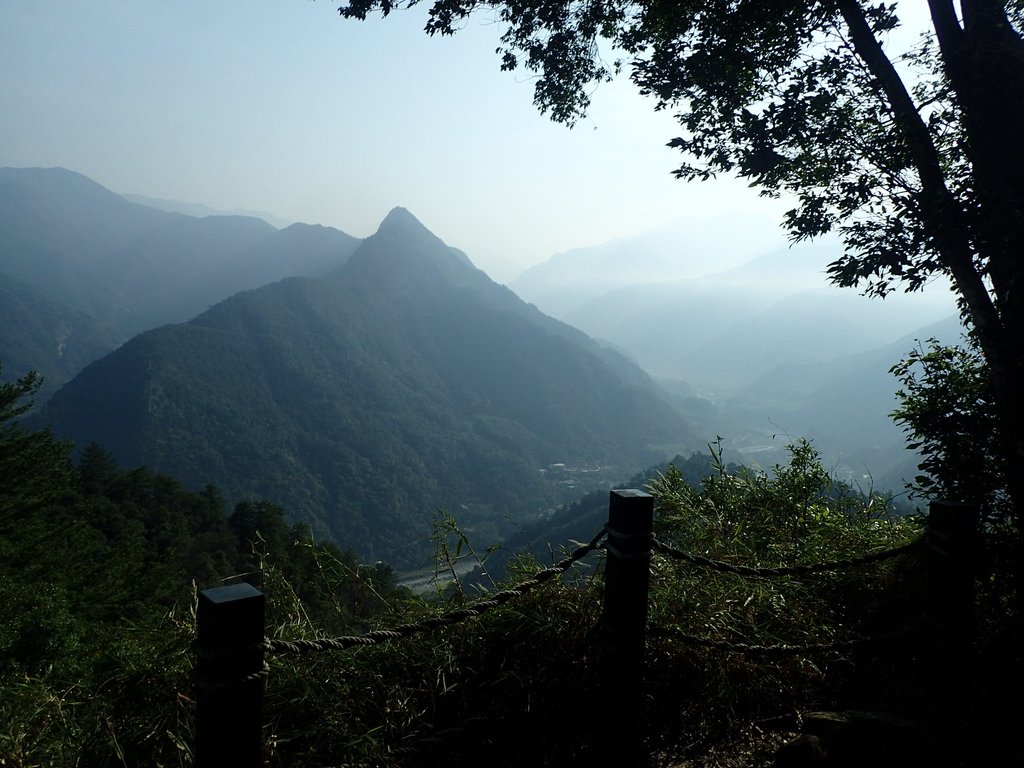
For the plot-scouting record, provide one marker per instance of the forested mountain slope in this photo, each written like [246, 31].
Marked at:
[404, 381]
[124, 268]
[40, 334]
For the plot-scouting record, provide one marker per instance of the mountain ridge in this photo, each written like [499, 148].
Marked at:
[402, 381]
[126, 268]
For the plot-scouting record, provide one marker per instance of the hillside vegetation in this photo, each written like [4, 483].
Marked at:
[100, 565]
[43, 335]
[98, 571]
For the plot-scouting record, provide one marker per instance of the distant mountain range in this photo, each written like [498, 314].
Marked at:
[403, 381]
[125, 268]
[198, 209]
[771, 349]
[682, 250]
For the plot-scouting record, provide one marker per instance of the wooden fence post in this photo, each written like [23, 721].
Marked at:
[229, 717]
[950, 546]
[624, 623]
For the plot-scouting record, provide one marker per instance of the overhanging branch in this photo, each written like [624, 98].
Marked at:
[940, 206]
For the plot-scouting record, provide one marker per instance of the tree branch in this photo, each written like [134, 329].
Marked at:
[947, 25]
[941, 206]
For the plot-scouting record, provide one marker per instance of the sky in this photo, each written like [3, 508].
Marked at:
[283, 106]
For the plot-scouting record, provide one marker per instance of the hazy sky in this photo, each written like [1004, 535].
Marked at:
[281, 105]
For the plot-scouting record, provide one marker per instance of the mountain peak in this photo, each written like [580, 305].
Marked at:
[400, 219]
[404, 252]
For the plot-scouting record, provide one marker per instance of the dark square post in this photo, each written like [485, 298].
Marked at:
[230, 629]
[624, 623]
[950, 551]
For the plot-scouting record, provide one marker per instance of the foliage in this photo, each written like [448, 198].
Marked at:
[948, 414]
[36, 459]
[795, 514]
[97, 668]
[98, 620]
[440, 693]
[98, 567]
[946, 409]
[735, 508]
[533, 665]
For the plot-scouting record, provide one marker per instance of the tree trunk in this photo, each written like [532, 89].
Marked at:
[985, 63]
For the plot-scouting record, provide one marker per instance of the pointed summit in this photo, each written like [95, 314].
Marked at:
[400, 218]
[401, 227]
[408, 253]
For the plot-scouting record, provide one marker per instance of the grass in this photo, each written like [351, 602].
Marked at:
[522, 684]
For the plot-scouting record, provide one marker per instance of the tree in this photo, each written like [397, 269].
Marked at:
[260, 527]
[914, 160]
[946, 409]
[34, 466]
[97, 469]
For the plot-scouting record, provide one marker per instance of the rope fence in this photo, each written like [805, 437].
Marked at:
[231, 643]
[432, 623]
[810, 569]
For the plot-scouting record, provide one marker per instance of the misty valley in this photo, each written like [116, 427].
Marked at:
[362, 384]
[347, 423]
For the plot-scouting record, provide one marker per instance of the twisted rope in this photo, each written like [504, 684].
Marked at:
[780, 649]
[435, 622]
[789, 570]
